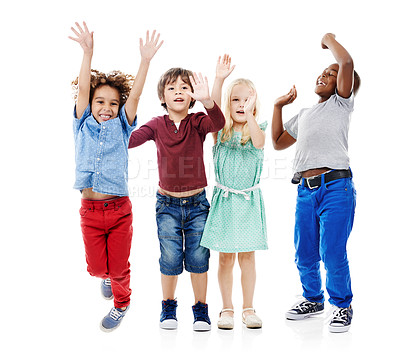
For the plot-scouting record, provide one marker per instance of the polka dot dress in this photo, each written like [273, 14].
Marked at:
[235, 224]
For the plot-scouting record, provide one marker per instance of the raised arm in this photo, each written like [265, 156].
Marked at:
[147, 51]
[215, 120]
[281, 139]
[223, 70]
[344, 83]
[256, 134]
[85, 38]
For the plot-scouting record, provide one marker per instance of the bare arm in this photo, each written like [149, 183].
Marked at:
[281, 139]
[256, 134]
[85, 38]
[346, 67]
[223, 70]
[147, 51]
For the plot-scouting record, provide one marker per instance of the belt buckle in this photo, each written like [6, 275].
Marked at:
[308, 182]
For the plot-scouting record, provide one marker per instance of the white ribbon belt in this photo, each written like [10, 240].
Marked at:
[228, 190]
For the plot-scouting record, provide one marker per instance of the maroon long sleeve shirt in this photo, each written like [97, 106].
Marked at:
[180, 151]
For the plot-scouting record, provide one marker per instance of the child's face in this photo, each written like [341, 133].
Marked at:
[239, 96]
[175, 96]
[105, 103]
[326, 82]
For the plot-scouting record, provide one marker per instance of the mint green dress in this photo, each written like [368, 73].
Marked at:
[234, 223]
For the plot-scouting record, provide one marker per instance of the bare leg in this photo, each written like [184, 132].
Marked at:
[247, 262]
[199, 285]
[168, 283]
[225, 279]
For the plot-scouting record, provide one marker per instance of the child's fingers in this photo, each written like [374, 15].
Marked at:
[86, 28]
[79, 27]
[153, 35]
[74, 30]
[158, 47]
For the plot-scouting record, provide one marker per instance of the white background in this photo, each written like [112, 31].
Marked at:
[49, 302]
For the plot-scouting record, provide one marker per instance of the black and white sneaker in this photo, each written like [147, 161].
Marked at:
[304, 309]
[341, 319]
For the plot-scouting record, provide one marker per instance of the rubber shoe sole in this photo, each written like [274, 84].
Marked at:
[201, 326]
[297, 316]
[169, 324]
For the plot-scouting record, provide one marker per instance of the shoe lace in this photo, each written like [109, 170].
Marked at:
[169, 308]
[337, 314]
[107, 282]
[200, 312]
[115, 314]
[303, 304]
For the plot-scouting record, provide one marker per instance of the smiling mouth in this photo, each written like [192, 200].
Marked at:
[321, 83]
[178, 100]
[105, 117]
[240, 112]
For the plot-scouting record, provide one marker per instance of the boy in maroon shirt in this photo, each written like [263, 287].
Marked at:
[182, 207]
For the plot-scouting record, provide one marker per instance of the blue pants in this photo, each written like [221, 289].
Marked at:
[324, 219]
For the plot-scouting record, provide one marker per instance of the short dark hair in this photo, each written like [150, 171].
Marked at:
[171, 76]
[356, 83]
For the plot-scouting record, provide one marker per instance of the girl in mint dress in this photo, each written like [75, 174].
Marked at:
[236, 221]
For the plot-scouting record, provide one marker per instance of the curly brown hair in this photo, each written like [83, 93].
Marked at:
[117, 79]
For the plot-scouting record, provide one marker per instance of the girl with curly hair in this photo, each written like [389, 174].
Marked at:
[105, 116]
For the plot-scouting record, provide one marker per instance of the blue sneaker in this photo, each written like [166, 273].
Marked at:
[106, 290]
[304, 309]
[341, 319]
[113, 319]
[168, 318]
[201, 320]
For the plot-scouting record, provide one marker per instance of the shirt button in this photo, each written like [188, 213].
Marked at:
[175, 131]
[104, 127]
[98, 159]
[106, 204]
[101, 143]
[98, 173]
[184, 201]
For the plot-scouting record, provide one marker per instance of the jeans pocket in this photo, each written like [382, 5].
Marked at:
[160, 206]
[124, 209]
[82, 212]
[338, 185]
[204, 205]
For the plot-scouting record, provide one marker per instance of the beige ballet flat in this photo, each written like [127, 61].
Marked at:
[251, 321]
[225, 322]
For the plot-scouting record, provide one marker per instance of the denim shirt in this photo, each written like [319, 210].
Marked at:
[101, 153]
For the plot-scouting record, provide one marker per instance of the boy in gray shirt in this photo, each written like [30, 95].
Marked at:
[326, 195]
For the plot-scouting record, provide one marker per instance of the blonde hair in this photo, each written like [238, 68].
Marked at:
[227, 131]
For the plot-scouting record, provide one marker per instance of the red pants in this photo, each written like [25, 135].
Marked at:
[107, 234]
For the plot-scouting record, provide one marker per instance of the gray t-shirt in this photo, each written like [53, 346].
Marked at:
[322, 134]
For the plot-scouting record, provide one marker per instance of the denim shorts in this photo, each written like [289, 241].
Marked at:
[180, 224]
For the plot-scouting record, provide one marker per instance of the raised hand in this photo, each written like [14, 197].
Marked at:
[288, 98]
[150, 48]
[201, 91]
[325, 39]
[224, 68]
[83, 36]
[250, 103]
